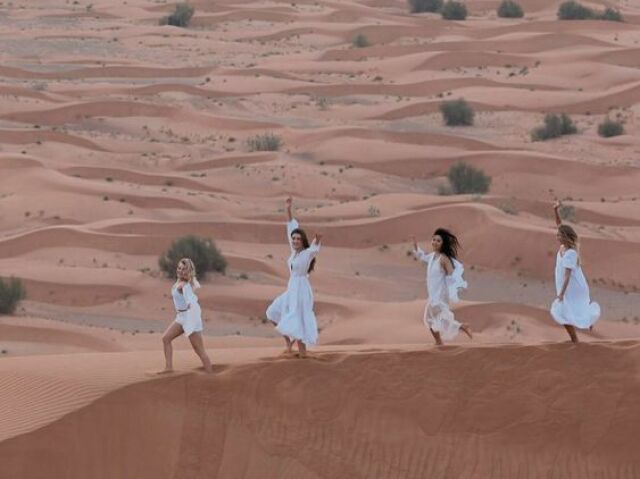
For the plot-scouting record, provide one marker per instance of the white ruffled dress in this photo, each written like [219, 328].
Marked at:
[292, 311]
[188, 313]
[442, 291]
[576, 309]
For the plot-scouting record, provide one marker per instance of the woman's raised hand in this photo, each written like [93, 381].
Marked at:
[414, 241]
[317, 238]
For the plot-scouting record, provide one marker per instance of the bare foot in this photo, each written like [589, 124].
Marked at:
[467, 330]
[302, 354]
[165, 371]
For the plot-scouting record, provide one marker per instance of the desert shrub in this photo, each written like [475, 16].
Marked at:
[202, 251]
[467, 179]
[453, 10]
[611, 15]
[264, 142]
[572, 10]
[567, 213]
[180, 17]
[554, 127]
[374, 211]
[360, 41]
[11, 293]
[420, 6]
[508, 206]
[610, 128]
[457, 113]
[510, 9]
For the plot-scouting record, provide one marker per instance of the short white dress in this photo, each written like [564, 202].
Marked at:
[576, 309]
[442, 291]
[188, 313]
[292, 311]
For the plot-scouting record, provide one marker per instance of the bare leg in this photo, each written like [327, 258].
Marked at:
[572, 333]
[173, 331]
[198, 346]
[436, 336]
[302, 349]
[287, 340]
[466, 330]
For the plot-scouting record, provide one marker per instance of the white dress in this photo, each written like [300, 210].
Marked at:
[292, 311]
[188, 313]
[442, 290]
[576, 309]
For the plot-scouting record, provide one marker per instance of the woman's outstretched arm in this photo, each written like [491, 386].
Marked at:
[289, 206]
[556, 212]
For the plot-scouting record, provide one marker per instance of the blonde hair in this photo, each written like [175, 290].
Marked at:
[569, 238]
[191, 272]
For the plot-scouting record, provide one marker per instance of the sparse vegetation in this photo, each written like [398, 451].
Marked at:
[374, 211]
[567, 213]
[202, 251]
[554, 126]
[453, 10]
[508, 206]
[264, 142]
[421, 6]
[457, 113]
[180, 17]
[465, 179]
[11, 293]
[510, 9]
[609, 128]
[572, 10]
[360, 41]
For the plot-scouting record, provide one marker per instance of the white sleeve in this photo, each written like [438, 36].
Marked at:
[570, 259]
[314, 248]
[189, 296]
[421, 255]
[291, 225]
[455, 281]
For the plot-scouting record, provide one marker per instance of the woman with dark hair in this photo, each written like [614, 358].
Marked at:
[444, 279]
[572, 307]
[292, 311]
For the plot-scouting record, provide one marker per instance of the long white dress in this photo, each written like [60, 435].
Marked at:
[442, 291]
[576, 309]
[188, 313]
[292, 311]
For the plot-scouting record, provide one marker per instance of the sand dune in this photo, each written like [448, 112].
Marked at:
[531, 410]
[119, 135]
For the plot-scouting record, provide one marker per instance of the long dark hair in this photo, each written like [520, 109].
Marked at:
[305, 245]
[450, 243]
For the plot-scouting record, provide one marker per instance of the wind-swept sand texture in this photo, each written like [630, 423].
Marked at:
[118, 135]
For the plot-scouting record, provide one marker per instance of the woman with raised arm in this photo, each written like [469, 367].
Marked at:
[292, 311]
[572, 307]
[444, 279]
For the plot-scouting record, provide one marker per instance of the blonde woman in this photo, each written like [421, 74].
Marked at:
[188, 315]
[572, 307]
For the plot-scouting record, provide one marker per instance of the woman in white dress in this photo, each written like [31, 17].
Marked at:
[572, 307]
[292, 311]
[444, 279]
[188, 315]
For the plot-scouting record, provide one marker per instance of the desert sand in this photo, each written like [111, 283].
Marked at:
[118, 135]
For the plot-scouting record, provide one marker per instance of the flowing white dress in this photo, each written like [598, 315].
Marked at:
[442, 291]
[188, 313]
[576, 309]
[292, 311]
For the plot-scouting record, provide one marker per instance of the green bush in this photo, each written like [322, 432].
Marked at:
[180, 17]
[510, 9]
[467, 179]
[420, 6]
[572, 10]
[554, 127]
[567, 213]
[202, 251]
[264, 142]
[360, 41]
[610, 128]
[611, 15]
[457, 113]
[11, 293]
[453, 10]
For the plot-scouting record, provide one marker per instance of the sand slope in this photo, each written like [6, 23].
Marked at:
[516, 412]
